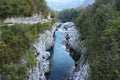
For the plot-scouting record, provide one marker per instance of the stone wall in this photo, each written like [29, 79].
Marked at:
[26, 20]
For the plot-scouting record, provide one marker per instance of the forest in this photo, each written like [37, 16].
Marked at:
[99, 26]
[21, 8]
[16, 43]
[16, 40]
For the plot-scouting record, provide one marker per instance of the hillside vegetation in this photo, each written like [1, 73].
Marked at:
[99, 25]
[68, 14]
[16, 49]
[16, 40]
[14, 8]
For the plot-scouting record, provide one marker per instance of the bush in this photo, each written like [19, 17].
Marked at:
[99, 25]
[15, 8]
[16, 45]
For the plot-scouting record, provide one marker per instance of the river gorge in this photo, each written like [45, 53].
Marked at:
[59, 39]
[60, 63]
[64, 62]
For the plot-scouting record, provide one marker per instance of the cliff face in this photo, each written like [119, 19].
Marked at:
[44, 42]
[73, 35]
[81, 71]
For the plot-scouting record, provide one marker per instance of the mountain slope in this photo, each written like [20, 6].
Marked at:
[14, 8]
[99, 25]
[87, 2]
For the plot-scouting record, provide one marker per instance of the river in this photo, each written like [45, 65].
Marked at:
[61, 61]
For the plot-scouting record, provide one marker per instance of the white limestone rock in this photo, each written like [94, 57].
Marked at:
[68, 24]
[26, 20]
[44, 42]
[82, 73]
[73, 35]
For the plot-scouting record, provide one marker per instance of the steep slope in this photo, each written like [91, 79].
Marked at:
[18, 56]
[87, 2]
[99, 25]
[71, 14]
[23, 8]
[17, 53]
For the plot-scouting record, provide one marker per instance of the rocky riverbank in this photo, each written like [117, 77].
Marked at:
[44, 43]
[81, 70]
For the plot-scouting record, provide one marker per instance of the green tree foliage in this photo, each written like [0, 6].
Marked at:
[15, 46]
[68, 14]
[99, 25]
[9, 8]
